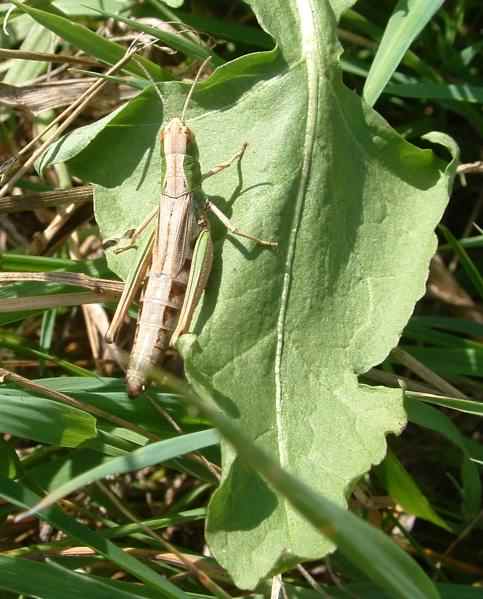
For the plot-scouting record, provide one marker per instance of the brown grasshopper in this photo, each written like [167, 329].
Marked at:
[177, 257]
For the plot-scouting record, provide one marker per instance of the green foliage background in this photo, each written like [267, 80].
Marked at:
[283, 335]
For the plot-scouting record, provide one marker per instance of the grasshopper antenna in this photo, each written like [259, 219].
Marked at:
[146, 72]
[153, 83]
[190, 93]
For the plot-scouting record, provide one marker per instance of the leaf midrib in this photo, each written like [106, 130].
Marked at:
[310, 54]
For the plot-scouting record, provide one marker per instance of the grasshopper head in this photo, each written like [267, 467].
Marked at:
[176, 137]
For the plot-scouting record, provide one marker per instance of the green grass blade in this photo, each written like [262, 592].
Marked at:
[467, 242]
[228, 30]
[156, 523]
[83, 38]
[427, 416]
[141, 458]
[466, 262]
[406, 23]
[467, 406]
[427, 90]
[44, 421]
[9, 462]
[427, 334]
[466, 361]
[456, 325]
[51, 581]
[21, 347]
[359, 23]
[47, 329]
[401, 486]
[25, 499]
[177, 42]
[23, 263]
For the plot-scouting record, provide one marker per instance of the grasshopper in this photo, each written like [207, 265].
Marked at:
[176, 259]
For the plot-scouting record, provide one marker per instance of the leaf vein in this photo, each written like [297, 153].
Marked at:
[307, 20]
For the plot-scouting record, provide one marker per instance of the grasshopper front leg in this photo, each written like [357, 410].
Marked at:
[234, 230]
[223, 165]
[219, 214]
[133, 234]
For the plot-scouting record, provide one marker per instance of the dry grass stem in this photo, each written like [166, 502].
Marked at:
[8, 54]
[470, 167]
[54, 300]
[425, 373]
[388, 379]
[70, 114]
[42, 239]
[188, 562]
[45, 199]
[100, 286]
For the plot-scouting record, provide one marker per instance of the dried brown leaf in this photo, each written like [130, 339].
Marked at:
[47, 96]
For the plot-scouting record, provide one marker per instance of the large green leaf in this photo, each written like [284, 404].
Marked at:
[283, 334]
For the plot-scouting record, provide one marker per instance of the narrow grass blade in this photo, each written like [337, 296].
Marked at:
[25, 499]
[427, 90]
[449, 362]
[177, 42]
[401, 486]
[457, 325]
[427, 416]
[141, 458]
[156, 523]
[429, 335]
[23, 263]
[466, 262]
[406, 23]
[83, 38]
[460, 405]
[45, 421]
[51, 581]
[22, 347]
[229, 30]
[467, 242]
